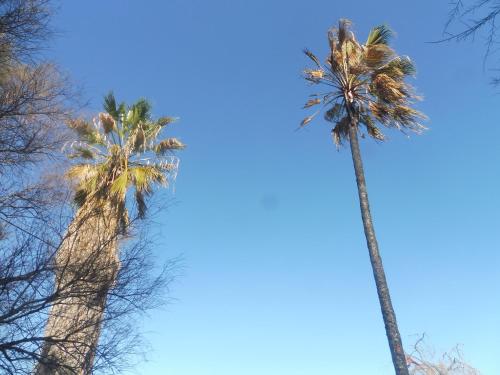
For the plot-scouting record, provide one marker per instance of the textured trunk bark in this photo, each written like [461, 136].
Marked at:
[391, 326]
[87, 264]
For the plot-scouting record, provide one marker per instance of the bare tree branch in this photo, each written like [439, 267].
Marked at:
[424, 361]
[478, 18]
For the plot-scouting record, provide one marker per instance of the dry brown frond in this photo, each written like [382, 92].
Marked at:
[107, 121]
[162, 121]
[388, 89]
[312, 102]
[378, 55]
[168, 145]
[343, 32]
[407, 116]
[81, 126]
[375, 132]
[314, 75]
[312, 57]
[307, 120]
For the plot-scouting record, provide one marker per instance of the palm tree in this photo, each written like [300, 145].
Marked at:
[366, 86]
[117, 151]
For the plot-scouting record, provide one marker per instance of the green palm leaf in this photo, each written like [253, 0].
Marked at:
[381, 34]
[119, 185]
[110, 105]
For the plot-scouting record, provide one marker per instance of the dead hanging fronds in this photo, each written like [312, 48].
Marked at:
[341, 131]
[367, 84]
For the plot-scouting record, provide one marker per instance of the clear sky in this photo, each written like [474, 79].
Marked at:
[277, 278]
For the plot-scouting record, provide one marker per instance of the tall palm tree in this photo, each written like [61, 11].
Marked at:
[365, 86]
[117, 151]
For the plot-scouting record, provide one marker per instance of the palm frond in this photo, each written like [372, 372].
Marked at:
[312, 57]
[123, 218]
[335, 113]
[378, 55]
[143, 176]
[138, 139]
[381, 34]
[80, 197]
[168, 145]
[332, 39]
[399, 67]
[81, 152]
[307, 120]
[344, 33]
[341, 131]
[110, 105]
[371, 128]
[88, 176]
[314, 75]
[381, 112]
[81, 171]
[387, 89]
[312, 102]
[408, 118]
[119, 185]
[162, 121]
[81, 126]
[406, 66]
[122, 109]
[86, 131]
[141, 110]
[108, 122]
[375, 132]
[141, 204]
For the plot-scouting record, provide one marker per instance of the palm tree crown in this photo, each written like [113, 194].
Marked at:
[120, 149]
[367, 80]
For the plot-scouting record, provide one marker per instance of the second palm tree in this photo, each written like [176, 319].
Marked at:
[119, 150]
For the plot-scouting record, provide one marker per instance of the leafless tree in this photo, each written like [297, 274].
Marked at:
[24, 29]
[29, 292]
[34, 94]
[36, 99]
[33, 107]
[424, 361]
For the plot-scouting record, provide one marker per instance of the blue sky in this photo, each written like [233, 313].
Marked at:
[277, 277]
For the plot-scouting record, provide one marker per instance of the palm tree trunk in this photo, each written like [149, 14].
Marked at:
[86, 268]
[391, 326]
